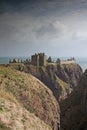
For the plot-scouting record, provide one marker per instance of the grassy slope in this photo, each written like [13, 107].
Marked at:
[14, 116]
[30, 93]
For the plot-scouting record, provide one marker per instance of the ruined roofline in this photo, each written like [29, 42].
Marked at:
[70, 61]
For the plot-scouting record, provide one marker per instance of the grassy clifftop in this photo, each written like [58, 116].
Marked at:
[26, 103]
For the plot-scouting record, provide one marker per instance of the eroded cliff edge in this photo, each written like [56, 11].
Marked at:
[61, 79]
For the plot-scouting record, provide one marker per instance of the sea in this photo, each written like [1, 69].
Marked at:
[81, 61]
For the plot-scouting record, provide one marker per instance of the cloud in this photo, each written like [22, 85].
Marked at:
[45, 31]
[80, 35]
[25, 28]
[19, 28]
[15, 27]
[40, 25]
[50, 30]
[41, 7]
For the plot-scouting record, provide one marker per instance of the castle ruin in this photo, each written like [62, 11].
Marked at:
[38, 59]
[68, 61]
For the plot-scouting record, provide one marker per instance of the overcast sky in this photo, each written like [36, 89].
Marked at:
[56, 27]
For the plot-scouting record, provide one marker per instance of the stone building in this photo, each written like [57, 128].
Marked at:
[68, 61]
[38, 59]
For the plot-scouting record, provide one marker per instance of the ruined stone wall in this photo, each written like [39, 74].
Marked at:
[67, 62]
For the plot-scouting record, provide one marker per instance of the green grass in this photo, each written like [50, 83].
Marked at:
[3, 126]
[6, 72]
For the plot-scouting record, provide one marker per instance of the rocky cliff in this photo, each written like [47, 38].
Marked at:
[74, 108]
[26, 103]
[61, 79]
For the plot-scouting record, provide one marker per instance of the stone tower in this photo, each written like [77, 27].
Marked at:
[38, 59]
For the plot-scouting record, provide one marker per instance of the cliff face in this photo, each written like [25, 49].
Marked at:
[74, 108]
[26, 103]
[61, 79]
[70, 73]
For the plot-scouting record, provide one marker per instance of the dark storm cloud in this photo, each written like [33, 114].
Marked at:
[13, 5]
[14, 2]
[45, 6]
[29, 23]
[42, 7]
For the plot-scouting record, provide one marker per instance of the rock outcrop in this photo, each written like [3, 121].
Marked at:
[61, 79]
[26, 103]
[74, 108]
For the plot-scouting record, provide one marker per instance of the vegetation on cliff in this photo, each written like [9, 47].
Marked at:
[26, 103]
[61, 79]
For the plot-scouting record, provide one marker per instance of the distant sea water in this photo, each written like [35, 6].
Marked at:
[81, 61]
